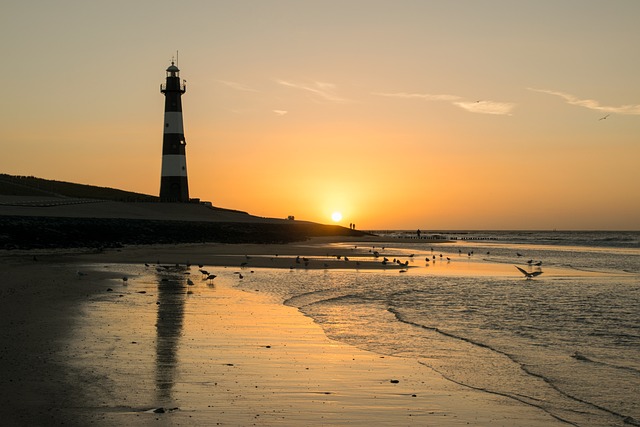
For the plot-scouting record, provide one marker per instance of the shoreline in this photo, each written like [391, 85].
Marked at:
[322, 250]
[305, 377]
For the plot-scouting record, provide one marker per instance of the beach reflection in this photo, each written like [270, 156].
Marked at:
[169, 324]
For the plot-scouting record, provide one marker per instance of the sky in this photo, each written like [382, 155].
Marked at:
[438, 115]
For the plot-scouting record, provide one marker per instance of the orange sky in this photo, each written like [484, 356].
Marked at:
[400, 115]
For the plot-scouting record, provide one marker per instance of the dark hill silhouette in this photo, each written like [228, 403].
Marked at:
[11, 185]
[99, 217]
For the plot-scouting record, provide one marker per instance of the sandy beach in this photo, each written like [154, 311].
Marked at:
[81, 346]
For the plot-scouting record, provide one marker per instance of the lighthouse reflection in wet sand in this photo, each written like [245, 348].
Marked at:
[174, 186]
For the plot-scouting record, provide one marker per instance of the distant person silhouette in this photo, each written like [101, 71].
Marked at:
[418, 233]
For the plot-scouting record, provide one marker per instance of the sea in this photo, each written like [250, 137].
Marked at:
[566, 341]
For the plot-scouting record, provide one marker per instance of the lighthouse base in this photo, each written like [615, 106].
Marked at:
[174, 189]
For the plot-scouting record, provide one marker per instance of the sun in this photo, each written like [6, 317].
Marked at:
[336, 216]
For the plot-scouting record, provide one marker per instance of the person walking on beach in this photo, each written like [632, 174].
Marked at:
[418, 233]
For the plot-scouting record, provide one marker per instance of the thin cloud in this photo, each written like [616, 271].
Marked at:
[481, 107]
[280, 112]
[237, 86]
[425, 96]
[325, 91]
[591, 104]
[487, 107]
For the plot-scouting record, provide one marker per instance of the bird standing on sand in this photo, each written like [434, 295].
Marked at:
[604, 117]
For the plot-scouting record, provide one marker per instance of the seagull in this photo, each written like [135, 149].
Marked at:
[528, 275]
[604, 117]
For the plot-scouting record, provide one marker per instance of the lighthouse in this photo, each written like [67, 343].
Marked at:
[173, 183]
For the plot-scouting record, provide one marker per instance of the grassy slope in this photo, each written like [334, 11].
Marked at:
[12, 185]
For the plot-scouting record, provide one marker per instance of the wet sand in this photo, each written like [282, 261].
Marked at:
[75, 353]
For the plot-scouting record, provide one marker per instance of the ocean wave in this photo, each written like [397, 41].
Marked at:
[589, 359]
[546, 406]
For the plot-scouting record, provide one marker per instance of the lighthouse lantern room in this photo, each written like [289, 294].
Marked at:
[174, 186]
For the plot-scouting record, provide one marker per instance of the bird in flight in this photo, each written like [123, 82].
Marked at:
[527, 274]
[604, 117]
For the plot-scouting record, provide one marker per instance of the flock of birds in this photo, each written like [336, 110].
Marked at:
[209, 277]
[176, 268]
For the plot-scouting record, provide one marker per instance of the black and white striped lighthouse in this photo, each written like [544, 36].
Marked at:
[174, 186]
